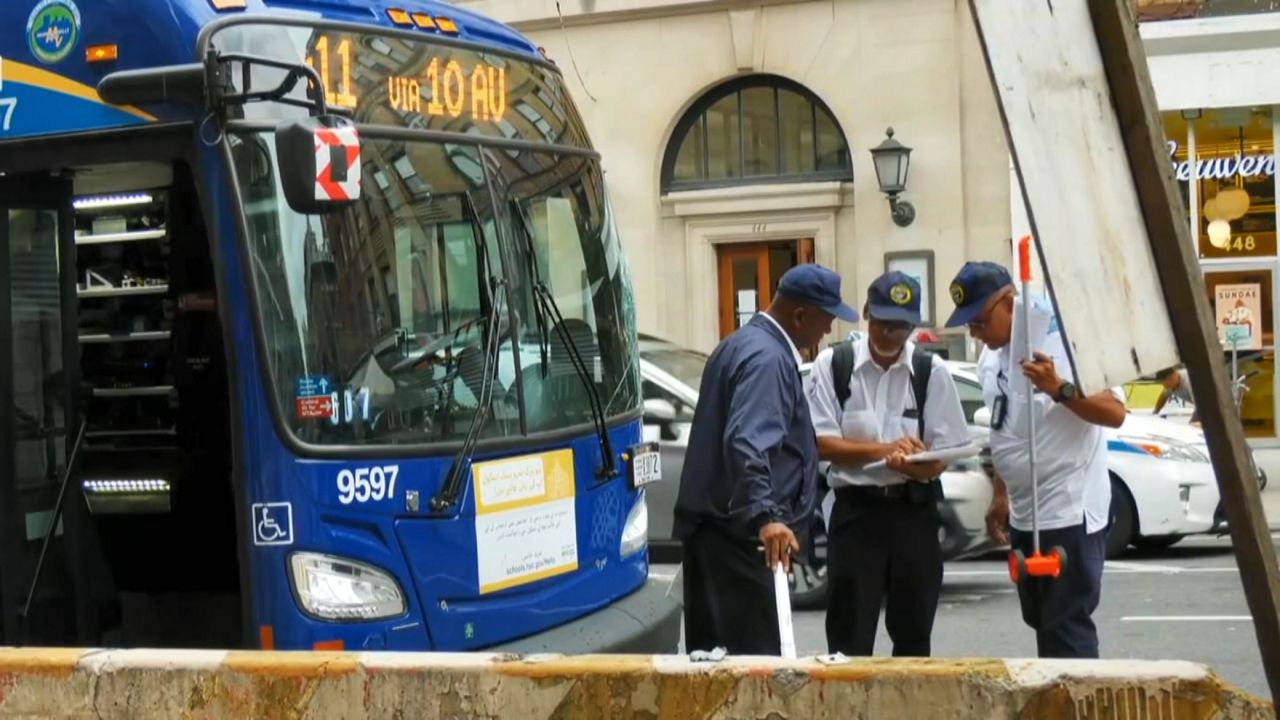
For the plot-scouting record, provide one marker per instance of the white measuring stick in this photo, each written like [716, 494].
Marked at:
[782, 593]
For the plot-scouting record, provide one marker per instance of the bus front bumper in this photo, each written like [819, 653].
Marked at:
[646, 622]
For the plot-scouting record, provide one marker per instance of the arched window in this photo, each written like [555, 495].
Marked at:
[756, 129]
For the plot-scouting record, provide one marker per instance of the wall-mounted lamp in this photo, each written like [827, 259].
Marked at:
[892, 159]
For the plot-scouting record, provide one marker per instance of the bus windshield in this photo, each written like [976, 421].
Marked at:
[377, 319]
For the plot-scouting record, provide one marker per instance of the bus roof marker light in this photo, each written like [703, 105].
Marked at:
[102, 53]
[424, 21]
[447, 25]
[399, 17]
[221, 5]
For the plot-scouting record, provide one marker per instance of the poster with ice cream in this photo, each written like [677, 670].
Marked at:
[1238, 313]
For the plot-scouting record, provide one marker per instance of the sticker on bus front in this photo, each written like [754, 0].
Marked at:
[273, 523]
[314, 397]
[53, 30]
[526, 522]
[338, 161]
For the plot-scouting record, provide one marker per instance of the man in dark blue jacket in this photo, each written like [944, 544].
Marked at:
[750, 473]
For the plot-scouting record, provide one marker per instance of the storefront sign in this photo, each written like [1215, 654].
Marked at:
[1223, 168]
[1238, 313]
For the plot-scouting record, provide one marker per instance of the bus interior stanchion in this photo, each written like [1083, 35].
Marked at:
[86, 395]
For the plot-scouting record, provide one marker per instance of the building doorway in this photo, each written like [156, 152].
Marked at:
[749, 274]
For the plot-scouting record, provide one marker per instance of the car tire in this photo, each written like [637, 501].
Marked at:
[809, 580]
[1123, 527]
[808, 587]
[1160, 542]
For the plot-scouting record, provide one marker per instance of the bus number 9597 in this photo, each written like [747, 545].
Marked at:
[365, 484]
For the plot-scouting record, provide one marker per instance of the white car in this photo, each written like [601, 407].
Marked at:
[1162, 485]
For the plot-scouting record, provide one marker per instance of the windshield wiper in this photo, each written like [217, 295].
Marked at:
[496, 290]
[534, 277]
[448, 494]
[546, 308]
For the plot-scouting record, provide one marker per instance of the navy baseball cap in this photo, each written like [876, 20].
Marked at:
[815, 285]
[973, 287]
[894, 296]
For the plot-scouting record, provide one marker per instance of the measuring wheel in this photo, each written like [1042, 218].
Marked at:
[1017, 566]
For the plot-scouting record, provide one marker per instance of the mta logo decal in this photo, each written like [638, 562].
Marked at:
[53, 29]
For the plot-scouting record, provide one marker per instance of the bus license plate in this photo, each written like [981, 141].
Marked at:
[646, 465]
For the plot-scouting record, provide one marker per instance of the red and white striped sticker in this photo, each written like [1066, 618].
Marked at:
[338, 162]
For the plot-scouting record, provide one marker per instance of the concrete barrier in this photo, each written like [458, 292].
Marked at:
[142, 684]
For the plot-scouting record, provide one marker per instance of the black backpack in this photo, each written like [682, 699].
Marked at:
[921, 366]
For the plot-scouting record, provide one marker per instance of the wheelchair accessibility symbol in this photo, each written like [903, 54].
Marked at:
[273, 523]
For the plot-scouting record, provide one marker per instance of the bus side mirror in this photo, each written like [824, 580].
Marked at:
[319, 163]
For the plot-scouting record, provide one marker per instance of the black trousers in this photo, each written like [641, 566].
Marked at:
[882, 553]
[1060, 609]
[728, 595]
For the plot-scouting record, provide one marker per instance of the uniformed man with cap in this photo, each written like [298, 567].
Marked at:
[875, 399]
[749, 484]
[1071, 457]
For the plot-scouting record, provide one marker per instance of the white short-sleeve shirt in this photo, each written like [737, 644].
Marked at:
[1071, 454]
[878, 409]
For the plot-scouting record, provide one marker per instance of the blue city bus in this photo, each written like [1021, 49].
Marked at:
[322, 337]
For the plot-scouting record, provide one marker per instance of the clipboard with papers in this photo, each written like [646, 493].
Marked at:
[945, 455]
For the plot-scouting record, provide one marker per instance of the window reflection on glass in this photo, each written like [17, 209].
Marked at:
[683, 364]
[653, 391]
[1234, 172]
[723, 144]
[405, 363]
[1243, 297]
[782, 257]
[832, 152]
[1257, 403]
[1243, 311]
[759, 131]
[398, 336]
[577, 260]
[795, 114]
[36, 312]
[971, 400]
[692, 154]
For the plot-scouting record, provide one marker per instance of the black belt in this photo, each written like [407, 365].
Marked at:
[910, 491]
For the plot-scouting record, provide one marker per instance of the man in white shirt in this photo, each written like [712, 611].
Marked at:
[1071, 456]
[869, 399]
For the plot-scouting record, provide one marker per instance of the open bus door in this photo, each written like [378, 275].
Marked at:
[39, 415]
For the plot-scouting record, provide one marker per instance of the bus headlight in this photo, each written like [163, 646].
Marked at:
[335, 588]
[635, 532]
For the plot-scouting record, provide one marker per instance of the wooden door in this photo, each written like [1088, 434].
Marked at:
[744, 284]
[749, 273]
